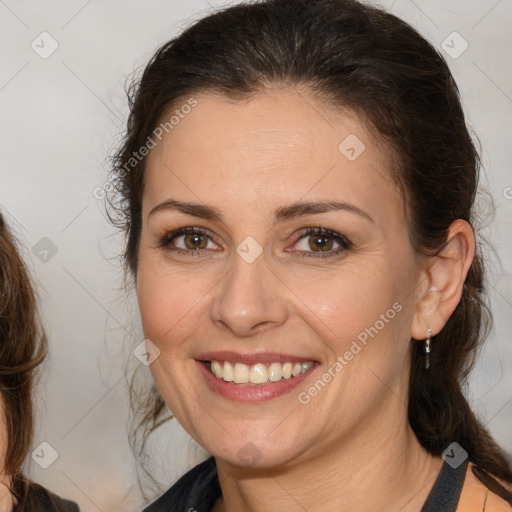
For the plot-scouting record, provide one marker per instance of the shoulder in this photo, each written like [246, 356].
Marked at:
[196, 490]
[39, 499]
[484, 493]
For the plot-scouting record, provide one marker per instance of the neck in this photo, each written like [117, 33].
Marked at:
[381, 467]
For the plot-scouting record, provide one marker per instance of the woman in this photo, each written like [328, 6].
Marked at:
[22, 349]
[296, 185]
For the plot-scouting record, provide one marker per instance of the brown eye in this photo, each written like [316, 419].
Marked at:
[188, 239]
[195, 241]
[320, 243]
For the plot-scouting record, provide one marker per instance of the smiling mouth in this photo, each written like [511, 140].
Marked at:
[257, 374]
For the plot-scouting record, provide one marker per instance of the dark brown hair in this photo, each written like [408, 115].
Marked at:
[364, 59]
[22, 350]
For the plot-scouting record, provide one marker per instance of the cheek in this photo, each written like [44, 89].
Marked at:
[349, 296]
[361, 308]
[169, 302]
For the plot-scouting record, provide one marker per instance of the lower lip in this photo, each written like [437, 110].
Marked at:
[252, 393]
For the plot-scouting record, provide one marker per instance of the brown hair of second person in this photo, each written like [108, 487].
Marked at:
[23, 348]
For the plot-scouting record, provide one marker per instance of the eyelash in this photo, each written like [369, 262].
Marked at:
[321, 232]
[342, 240]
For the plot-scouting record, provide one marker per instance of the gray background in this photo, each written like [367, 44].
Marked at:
[62, 115]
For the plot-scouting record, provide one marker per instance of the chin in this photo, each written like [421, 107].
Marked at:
[256, 454]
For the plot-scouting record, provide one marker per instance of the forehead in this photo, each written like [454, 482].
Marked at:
[273, 148]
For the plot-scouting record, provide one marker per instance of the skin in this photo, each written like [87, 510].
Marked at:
[6, 499]
[247, 159]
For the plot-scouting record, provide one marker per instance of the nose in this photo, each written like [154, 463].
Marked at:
[250, 299]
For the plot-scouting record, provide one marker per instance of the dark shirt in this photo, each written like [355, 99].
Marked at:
[39, 499]
[196, 491]
[199, 489]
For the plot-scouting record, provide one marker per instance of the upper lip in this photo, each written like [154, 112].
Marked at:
[251, 359]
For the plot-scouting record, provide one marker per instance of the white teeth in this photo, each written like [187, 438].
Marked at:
[297, 368]
[227, 372]
[240, 373]
[217, 369]
[306, 367]
[287, 370]
[259, 373]
[275, 372]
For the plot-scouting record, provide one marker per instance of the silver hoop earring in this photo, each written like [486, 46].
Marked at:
[427, 348]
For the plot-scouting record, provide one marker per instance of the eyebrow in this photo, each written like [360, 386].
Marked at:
[294, 210]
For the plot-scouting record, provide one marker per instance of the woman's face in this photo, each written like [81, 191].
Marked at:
[257, 293]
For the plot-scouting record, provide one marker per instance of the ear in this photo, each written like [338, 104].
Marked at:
[443, 280]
